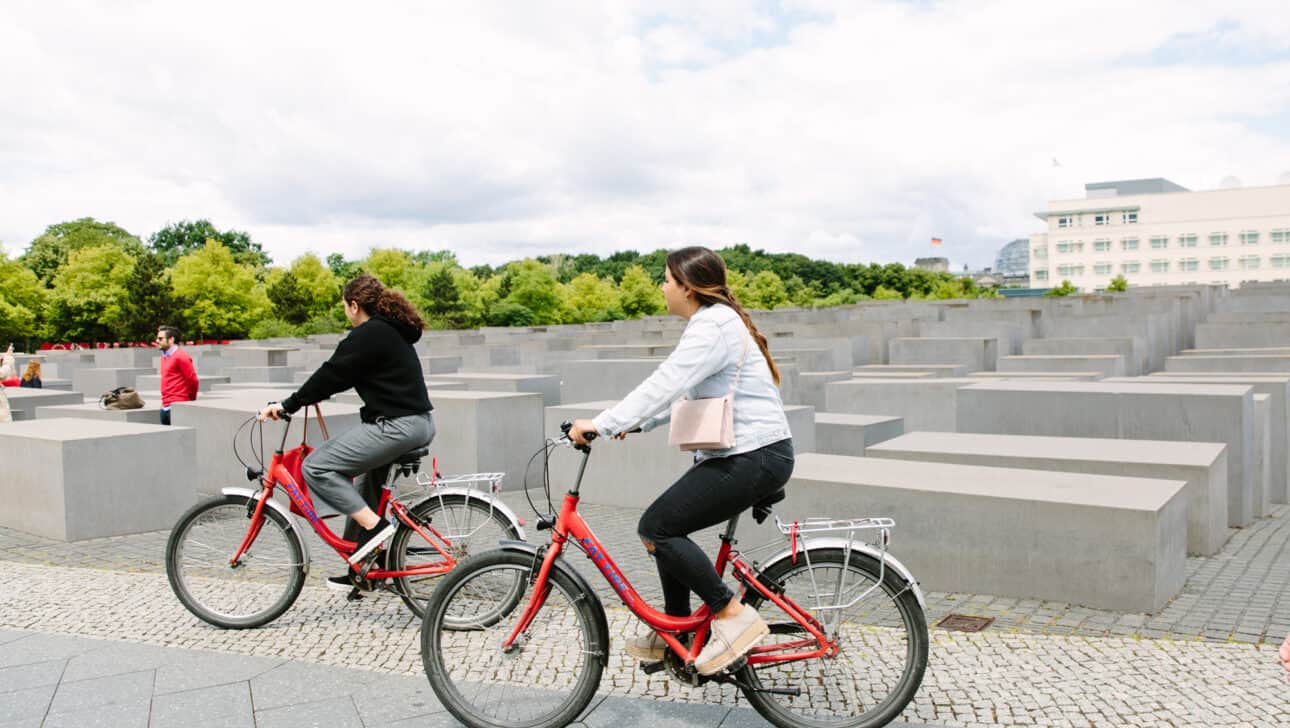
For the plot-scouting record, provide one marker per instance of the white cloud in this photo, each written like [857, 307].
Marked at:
[848, 130]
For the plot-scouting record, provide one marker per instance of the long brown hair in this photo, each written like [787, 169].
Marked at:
[33, 370]
[376, 299]
[704, 272]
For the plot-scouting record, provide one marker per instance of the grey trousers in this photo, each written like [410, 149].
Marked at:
[329, 471]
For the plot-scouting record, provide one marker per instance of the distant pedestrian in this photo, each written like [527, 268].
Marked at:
[31, 377]
[6, 371]
[178, 377]
[1285, 656]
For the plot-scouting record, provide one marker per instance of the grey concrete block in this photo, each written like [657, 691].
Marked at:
[1184, 412]
[152, 382]
[924, 404]
[24, 401]
[1039, 376]
[1202, 466]
[589, 380]
[547, 385]
[1132, 348]
[1022, 533]
[73, 479]
[97, 381]
[487, 432]
[811, 386]
[844, 434]
[257, 356]
[273, 374]
[1228, 334]
[1248, 364]
[1108, 365]
[973, 353]
[912, 370]
[149, 414]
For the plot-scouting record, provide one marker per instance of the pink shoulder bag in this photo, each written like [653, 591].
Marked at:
[708, 423]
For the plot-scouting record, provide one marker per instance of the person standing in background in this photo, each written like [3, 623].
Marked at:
[178, 377]
[6, 371]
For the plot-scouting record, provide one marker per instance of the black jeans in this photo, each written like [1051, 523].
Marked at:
[165, 416]
[712, 491]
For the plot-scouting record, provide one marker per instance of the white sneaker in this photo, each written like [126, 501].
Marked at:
[650, 647]
[729, 639]
[378, 539]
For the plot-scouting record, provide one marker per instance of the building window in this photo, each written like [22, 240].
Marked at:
[1186, 241]
[1067, 271]
[1101, 246]
[1188, 264]
[1131, 266]
[1159, 242]
[1250, 237]
[1249, 262]
[1218, 263]
[1067, 246]
[1065, 221]
[1129, 244]
[1102, 219]
[1218, 238]
[1102, 269]
[1280, 261]
[1040, 252]
[1281, 236]
[1129, 218]
[1159, 266]
[1041, 275]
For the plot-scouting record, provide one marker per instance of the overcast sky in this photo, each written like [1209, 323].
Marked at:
[851, 130]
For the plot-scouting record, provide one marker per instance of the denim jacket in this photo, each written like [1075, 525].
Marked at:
[703, 365]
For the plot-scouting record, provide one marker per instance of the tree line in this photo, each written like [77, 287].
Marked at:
[91, 281]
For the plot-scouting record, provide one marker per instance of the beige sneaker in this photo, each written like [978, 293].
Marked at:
[729, 639]
[649, 648]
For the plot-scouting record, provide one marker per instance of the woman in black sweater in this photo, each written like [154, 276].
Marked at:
[376, 359]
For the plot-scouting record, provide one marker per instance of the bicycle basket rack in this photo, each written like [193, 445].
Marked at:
[834, 597]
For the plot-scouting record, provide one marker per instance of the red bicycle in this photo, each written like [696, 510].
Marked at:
[847, 645]
[239, 559]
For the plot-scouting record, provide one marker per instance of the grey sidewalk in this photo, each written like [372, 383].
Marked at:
[54, 680]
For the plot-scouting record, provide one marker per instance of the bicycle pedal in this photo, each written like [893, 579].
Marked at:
[737, 665]
[354, 595]
[649, 668]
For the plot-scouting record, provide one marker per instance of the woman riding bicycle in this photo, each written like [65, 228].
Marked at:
[714, 348]
[376, 359]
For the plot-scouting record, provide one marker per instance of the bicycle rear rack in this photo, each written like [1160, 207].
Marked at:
[853, 528]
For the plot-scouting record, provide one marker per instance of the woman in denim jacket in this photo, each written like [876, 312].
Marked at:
[722, 483]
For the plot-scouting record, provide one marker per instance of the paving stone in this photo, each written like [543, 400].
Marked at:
[103, 691]
[125, 714]
[333, 713]
[27, 703]
[222, 705]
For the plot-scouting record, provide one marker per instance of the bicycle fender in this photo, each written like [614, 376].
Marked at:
[841, 544]
[480, 495]
[275, 505]
[597, 607]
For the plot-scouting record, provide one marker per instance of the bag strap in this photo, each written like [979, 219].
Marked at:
[322, 424]
[740, 369]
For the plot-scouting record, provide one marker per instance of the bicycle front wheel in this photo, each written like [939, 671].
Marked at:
[257, 589]
[468, 525]
[881, 635]
[552, 670]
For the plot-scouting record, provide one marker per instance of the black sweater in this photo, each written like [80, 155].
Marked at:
[378, 361]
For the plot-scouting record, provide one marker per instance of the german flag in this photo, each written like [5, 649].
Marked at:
[936, 241]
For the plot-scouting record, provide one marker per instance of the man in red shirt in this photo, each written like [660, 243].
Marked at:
[178, 377]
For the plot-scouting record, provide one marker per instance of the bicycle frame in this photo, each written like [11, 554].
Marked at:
[571, 526]
[279, 475]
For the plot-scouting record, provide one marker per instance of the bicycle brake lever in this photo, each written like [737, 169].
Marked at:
[253, 474]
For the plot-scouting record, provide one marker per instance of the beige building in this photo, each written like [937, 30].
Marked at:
[1154, 232]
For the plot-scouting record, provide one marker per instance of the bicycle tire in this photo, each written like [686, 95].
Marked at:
[466, 535]
[212, 589]
[558, 661]
[872, 653]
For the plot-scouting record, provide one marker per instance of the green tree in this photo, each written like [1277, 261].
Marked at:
[344, 270]
[291, 302]
[152, 301]
[443, 303]
[587, 298]
[1118, 284]
[764, 290]
[22, 302]
[1065, 289]
[883, 293]
[393, 267]
[506, 313]
[185, 237]
[319, 283]
[639, 294]
[222, 298]
[90, 295]
[533, 286]
[49, 252]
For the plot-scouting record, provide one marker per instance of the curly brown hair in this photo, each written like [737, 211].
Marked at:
[703, 271]
[33, 370]
[376, 299]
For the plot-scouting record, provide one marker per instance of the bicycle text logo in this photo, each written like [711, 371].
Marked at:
[299, 498]
[602, 562]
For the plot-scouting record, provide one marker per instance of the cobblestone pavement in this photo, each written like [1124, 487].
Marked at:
[1241, 594]
[972, 679]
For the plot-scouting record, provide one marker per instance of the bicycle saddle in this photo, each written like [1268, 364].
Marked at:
[412, 457]
[762, 509]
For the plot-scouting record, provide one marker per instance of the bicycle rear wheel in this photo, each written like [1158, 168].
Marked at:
[259, 588]
[552, 670]
[470, 525]
[881, 638]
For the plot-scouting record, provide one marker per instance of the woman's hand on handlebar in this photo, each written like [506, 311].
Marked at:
[580, 429]
[272, 411]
